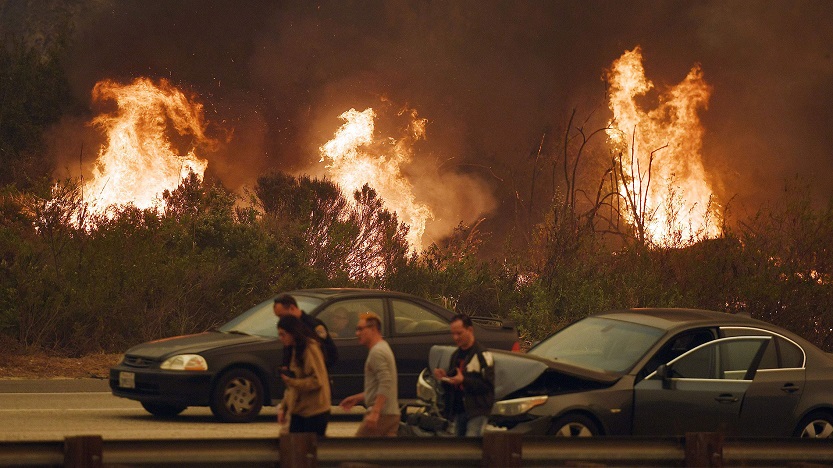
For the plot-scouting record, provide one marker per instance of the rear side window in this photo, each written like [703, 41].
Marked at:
[792, 356]
[410, 318]
[781, 352]
[728, 358]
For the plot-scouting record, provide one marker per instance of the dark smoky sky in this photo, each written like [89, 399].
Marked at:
[491, 77]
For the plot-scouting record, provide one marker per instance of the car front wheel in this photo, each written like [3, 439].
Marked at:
[237, 397]
[574, 425]
[163, 410]
[816, 426]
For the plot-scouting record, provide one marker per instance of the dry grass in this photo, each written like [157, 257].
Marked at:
[18, 362]
[40, 365]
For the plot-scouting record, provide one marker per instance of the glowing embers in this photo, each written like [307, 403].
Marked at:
[660, 169]
[354, 158]
[139, 161]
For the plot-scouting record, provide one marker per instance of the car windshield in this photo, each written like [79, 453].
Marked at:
[260, 320]
[599, 344]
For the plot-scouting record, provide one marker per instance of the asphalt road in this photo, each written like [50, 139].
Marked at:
[49, 410]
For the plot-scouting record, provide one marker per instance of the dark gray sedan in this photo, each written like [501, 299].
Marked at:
[667, 372]
[234, 369]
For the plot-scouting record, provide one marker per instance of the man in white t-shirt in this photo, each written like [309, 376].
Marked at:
[381, 391]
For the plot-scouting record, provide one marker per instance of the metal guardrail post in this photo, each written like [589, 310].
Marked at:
[502, 450]
[704, 449]
[299, 450]
[82, 451]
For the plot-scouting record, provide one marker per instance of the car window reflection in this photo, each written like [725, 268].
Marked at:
[409, 318]
[342, 317]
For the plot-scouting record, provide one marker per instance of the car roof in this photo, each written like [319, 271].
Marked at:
[671, 318]
[329, 293]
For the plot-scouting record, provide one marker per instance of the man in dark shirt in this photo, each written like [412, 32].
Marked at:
[286, 305]
[469, 381]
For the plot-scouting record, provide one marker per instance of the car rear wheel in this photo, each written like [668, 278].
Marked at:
[816, 426]
[237, 397]
[163, 410]
[574, 425]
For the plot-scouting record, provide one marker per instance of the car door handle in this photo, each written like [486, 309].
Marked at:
[790, 388]
[726, 398]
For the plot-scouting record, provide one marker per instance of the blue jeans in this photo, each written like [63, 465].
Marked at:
[469, 427]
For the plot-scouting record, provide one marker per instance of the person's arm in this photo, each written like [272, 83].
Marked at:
[282, 406]
[329, 345]
[281, 413]
[440, 373]
[372, 417]
[385, 374]
[314, 368]
[325, 339]
[348, 403]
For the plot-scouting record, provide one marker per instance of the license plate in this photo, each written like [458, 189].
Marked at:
[127, 380]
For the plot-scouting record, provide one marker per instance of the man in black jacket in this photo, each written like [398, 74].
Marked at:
[469, 381]
[286, 305]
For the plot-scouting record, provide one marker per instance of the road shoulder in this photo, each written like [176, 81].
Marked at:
[53, 385]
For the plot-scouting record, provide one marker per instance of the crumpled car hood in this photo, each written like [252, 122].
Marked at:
[514, 371]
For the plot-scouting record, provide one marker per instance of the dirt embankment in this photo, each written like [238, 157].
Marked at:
[21, 364]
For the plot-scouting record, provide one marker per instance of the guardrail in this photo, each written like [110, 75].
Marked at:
[493, 450]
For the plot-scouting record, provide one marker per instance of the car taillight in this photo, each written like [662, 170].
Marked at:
[516, 347]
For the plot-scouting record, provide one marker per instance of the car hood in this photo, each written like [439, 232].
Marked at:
[190, 344]
[514, 371]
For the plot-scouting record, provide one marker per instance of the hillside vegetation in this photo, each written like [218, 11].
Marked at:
[100, 284]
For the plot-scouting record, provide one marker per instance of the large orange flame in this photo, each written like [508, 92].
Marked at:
[353, 160]
[664, 179]
[139, 161]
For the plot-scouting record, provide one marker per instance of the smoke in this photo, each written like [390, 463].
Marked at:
[493, 78]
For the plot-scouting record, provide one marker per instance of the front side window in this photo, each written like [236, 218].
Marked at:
[676, 347]
[260, 320]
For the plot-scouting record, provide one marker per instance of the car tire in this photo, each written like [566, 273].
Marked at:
[574, 425]
[818, 425]
[163, 410]
[237, 397]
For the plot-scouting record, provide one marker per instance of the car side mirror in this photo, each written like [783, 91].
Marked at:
[664, 372]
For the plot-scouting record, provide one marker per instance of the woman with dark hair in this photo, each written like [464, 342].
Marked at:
[307, 396]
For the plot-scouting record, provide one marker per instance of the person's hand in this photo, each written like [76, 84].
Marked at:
[281, 415]
[349, 402]
[456, 380]
[439, 373]
[371, 419]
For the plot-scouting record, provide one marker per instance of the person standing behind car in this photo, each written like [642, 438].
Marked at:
[469, 382]
[381, 391]
[306, 398]
[286, 305]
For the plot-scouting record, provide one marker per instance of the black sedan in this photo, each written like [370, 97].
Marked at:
[234, 369]
[652, 372]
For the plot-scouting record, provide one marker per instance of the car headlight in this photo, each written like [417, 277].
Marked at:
[186, 362]
[519, 405]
